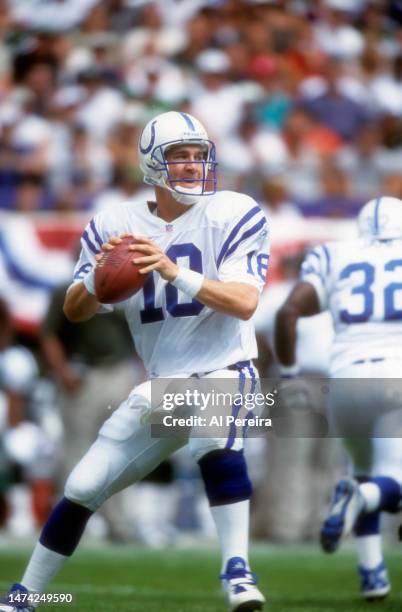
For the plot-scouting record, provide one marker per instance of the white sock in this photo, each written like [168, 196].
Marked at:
[371, 495]
[369, 551]
[42, 567]
[232, 525]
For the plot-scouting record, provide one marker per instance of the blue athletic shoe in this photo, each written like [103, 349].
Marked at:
[16, 601]
[240, 587]
[346, 505]
[374, 583]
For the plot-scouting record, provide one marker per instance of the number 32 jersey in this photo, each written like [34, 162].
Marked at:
[360, 282]
[225, 238]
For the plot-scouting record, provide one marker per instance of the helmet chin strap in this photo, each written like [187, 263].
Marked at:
[187, 199]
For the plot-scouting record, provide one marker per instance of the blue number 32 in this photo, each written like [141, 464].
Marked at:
[390, 311]
[152, 313]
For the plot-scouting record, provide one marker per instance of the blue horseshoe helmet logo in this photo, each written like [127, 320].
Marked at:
[147, 149]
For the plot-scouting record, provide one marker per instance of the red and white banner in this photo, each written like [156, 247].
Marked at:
[38, 252]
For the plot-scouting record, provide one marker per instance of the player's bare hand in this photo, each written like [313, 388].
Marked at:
[108, 246]
[153, 258]
[69, 379]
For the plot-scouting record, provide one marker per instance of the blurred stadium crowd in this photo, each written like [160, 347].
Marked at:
[304, 102]
[303, 99]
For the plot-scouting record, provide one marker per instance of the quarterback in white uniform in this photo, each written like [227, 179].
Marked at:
[207, 255]
[360, 283]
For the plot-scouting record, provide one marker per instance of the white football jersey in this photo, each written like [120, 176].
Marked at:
[360, 282]
[224, 237]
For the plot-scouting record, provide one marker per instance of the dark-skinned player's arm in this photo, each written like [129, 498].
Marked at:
[301, 302]
[308, 297]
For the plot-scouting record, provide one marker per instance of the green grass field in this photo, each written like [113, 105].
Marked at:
[128, 579]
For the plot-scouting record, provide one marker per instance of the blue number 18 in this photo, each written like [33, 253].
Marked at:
[152, 313]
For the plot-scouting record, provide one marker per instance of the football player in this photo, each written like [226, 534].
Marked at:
[360, 283]
[206, 253]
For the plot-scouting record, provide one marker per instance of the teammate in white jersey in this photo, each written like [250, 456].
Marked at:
[360, 282]
[206, 254]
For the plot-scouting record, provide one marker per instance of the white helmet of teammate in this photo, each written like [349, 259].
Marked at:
[162, 133]
[381, 219]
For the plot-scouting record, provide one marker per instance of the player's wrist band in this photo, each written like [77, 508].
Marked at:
[188, 281]
[292, 370]
[89, 282]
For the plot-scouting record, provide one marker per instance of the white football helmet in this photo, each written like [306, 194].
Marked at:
[165, 131]
[381, 219]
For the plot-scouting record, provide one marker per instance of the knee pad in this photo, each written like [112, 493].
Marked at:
[199, 447]
[391, 493]
[367, 524]
[225, 477]
[88, 479]
[64, 527]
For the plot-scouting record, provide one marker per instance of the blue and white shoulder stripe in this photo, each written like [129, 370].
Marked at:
[91, 236]
[245, 225]
[318, 262]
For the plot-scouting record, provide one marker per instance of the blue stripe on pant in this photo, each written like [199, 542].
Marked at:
[250, 414]
[236, 407]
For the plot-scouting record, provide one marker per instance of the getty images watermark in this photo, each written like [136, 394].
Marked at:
[209, 407]
[302, 407]
[205, 400]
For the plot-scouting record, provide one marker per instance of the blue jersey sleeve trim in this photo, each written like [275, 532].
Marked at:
[247, 234]
[315, 255]
[85, 236]
[328, 258]
[235, 231]
[96, 233]
[307, 273]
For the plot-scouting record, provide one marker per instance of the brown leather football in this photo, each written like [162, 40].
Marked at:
[116, 276]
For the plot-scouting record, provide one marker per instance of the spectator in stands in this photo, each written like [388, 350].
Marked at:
[336, 33]
[219, 104]
[104, 104]
[29, 456]
[335, 198]
[292, 152]
[32, 194]
[332, 103]
[275, 200]
[367, 162]
[276, 101]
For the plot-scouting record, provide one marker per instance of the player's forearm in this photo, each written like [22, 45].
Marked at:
[285, 335]
[301, 302]
[53, 352]
[79, 304]
[237, 299]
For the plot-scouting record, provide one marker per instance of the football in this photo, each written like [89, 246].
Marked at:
[116, 276]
